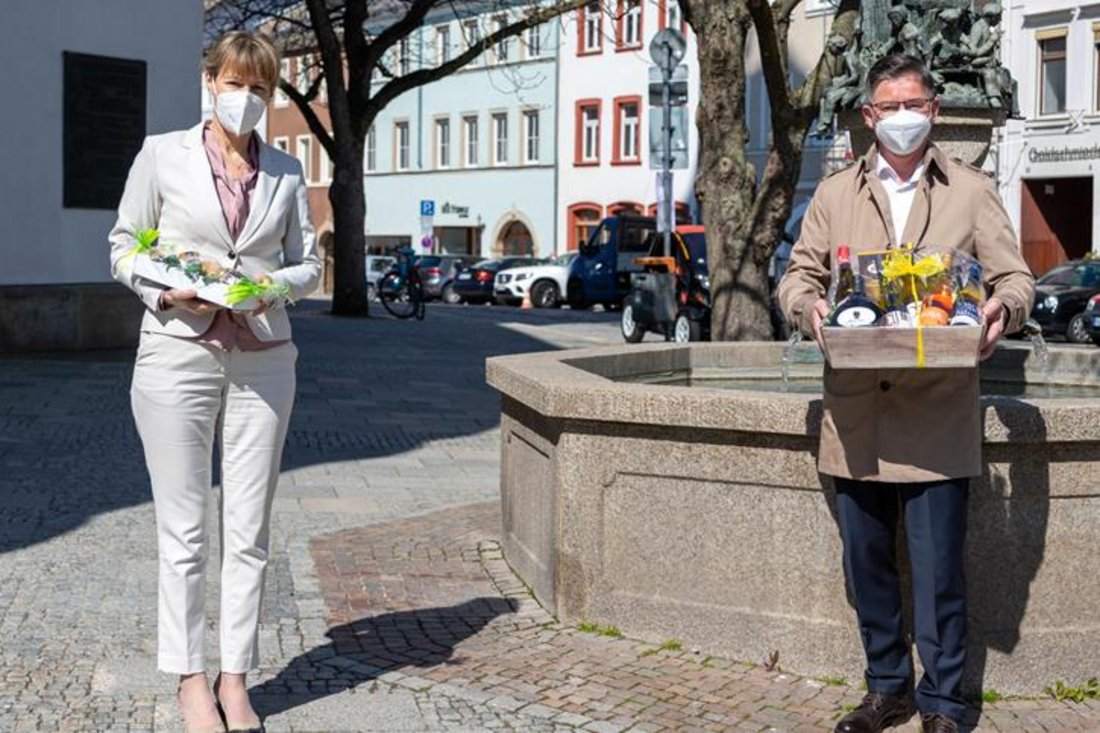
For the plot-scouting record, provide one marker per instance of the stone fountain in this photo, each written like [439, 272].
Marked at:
[696, 512]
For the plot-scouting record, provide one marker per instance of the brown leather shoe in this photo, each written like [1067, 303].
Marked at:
[877, 712]
[937, 723]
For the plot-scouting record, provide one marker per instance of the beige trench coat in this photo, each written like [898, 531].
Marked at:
[904, 425]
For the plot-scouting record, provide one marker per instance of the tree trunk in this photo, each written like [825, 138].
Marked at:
[726, 180]
[349, 296]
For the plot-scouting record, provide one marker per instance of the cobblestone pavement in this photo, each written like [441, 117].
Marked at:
[388, 607]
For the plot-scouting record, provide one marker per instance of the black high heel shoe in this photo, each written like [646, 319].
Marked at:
[235, 726]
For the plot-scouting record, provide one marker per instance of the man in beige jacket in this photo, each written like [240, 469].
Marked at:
[905, 441]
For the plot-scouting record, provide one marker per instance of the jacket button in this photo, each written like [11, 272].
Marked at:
[232, 254]
[884, 385]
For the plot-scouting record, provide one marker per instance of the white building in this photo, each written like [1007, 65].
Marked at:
[604, 112]
[1047, 164]
[603, 115]
[94, 79]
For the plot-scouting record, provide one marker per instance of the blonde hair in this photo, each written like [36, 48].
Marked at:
[249, 53]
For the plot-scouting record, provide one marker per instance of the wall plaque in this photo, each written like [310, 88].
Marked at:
[104, 126]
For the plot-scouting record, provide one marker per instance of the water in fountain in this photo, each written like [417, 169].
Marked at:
[788, 357]
[1040, 349]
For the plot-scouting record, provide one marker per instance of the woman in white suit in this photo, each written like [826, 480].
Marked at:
[203, 372]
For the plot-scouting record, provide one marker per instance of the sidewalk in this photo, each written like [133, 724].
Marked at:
[388, 606]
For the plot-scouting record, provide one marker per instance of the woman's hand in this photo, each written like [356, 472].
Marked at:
[187, 300]
[261, 280]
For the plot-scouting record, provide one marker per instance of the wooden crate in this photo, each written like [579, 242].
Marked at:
[945, 347]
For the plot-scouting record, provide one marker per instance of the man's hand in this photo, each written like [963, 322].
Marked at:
[820, 310]
[995, 316]
[186, 300]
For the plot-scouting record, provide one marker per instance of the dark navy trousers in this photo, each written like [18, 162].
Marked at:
[935, 528]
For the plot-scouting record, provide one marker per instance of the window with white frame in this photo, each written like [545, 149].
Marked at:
[673, 17]
[372, 150]
[443, 143]
[304, 75]
[1052, 71]
[404, 57]
[303, 150]
[327, 167]
[472, 32]
[532, 42]
[281, 100]
[281, 143]
[629, 129]
[500, 138]
[500, 48]
[531, 136]
[593, 27]
[590, 133]
[469, 137]
[401, 145]
[630, 34]
[443, 43]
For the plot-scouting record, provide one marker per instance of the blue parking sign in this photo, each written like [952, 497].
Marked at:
[427, 208]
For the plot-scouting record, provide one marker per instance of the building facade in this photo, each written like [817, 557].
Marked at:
[604, 115]
[479, 145]
[95, 79]
[1047, 163]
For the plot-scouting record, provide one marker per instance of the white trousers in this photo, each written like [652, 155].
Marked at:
[184, 394]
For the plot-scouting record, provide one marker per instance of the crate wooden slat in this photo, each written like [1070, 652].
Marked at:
[945, 347]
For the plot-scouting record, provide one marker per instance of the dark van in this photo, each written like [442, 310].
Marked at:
[601, 271]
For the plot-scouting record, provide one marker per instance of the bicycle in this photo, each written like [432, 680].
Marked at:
[400, 290]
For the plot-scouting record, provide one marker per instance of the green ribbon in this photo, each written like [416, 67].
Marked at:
[144, 241]
[246, 288]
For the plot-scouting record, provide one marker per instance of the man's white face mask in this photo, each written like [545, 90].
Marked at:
[904, 131]
[239, 111]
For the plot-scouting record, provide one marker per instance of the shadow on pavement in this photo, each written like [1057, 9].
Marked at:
[367, 388]
[362, 650]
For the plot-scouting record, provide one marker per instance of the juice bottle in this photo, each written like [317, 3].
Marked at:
[967, 310]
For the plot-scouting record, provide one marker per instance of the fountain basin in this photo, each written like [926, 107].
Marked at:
[697, 513]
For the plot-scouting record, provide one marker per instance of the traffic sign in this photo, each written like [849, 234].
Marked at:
[680, 136]
[427, 208]
[667, 47]
[678, 86]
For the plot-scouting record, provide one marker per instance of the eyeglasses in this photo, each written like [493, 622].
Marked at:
[917, 104]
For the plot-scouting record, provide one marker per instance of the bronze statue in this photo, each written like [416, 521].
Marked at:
[959, 44]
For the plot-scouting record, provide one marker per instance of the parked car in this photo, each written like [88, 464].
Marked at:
[672, 296]
[546, 282]
[437, 272]
[1092, 319]
[376, 267]
[475, 285]
[601, 272]
[1061, 296]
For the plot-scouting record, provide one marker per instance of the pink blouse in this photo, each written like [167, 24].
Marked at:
[230, 328]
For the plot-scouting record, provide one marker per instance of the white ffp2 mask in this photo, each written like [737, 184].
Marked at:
[904, 131]
[240, 111]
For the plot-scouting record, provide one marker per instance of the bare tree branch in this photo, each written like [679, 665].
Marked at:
[402, 84]
[773, 63]
[302, 102]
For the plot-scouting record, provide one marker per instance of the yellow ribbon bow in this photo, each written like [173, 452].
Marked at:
[899, 264]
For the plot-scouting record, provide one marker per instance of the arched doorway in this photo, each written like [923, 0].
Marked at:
[516, 240]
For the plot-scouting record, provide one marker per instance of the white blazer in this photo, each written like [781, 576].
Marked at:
[171, 188]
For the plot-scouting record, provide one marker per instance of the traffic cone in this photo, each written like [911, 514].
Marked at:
[526, 304]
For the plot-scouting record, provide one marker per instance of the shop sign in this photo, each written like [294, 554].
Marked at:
[462, 212]
[1063, 155]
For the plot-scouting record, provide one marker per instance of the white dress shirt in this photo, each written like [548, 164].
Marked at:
[900, 194]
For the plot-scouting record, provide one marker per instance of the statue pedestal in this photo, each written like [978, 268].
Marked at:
[961, 133]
